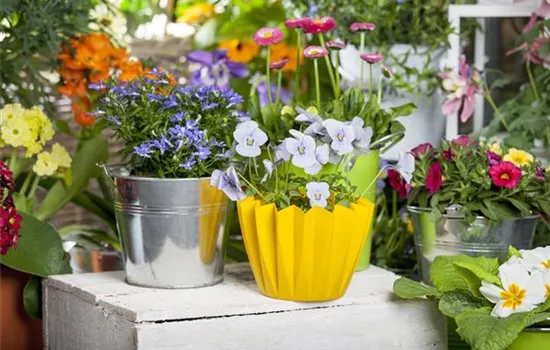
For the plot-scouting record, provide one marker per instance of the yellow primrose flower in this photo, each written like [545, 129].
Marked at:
[518, 157]
[9, 112]
[46, 164]
[287, 110]
[495, 148]
[61, 155]
[16, 132]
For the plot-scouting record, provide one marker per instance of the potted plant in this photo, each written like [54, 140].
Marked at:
[490, 306]
[474, 199]
[169, 218]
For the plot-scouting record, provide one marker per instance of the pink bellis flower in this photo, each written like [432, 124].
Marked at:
[319, 25]
[362, 27]
[268, 36]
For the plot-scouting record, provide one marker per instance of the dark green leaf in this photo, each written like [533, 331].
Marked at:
[409, 289]
[455, 302]
[32, 297]
[403, 110]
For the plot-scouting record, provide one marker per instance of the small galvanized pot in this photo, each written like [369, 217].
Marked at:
[171, 230]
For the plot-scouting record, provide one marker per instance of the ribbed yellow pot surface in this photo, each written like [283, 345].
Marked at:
[303, 256]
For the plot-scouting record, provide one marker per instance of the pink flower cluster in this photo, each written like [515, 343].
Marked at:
[10, 220]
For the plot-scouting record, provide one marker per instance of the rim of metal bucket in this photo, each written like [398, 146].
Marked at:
[415, 209]
[107, 168]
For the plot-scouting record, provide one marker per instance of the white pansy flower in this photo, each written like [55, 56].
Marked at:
[405, 166]
[536, 259]
[318, 193]
[342, 136]
[249, 139]
[520, 291]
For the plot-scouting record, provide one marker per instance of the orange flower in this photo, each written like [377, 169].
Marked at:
[98, 43]
[81, 106]
[84, 119]
[99, 75]
[240, 51]
[71, 74]
[119, 56]
[73, 89]
[197, 14]
[281, 51]
[130, 70]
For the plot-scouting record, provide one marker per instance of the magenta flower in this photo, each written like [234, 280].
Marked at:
[434, 180]
[449, 154]
[315, 51]
[398, 183]
[464, 141]
[278, 64]
[421, 149]
[335, 45]
[539, 174]
[362, 27]
[319, 25]
[371, 58]
[493, 158]
[268, 36]
[462, 87]
[505, 174]
[295, 23]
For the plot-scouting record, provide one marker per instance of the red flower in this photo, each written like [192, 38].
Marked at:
[493, 158]
[14, 221]
[463, 141]
[435, 178]
[371, 58]
[398, 183]
[319, 25]
[6, 178]
[421, 149]
[505, 174]
[294, 23]
[362, 27]
[10, 220]
[449, 154]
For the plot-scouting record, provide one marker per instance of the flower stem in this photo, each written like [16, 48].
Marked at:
[371, 84]
[531, 80]
[252, 187]
[499, 115]
[255, 166]
[361, 49]
[317, 88]
[336, 70]
[26, 183]
[34, 186]
[329, 68]
[394, 203]
[379, 90]
[298, 55]
[279, 83]
[373, 182]
[268, 75]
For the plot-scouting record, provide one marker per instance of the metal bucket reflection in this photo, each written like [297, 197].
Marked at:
[452, 235]
[94, 260]
[171, 230]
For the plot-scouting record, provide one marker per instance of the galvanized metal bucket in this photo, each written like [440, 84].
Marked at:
[171, 230]
[451, 234]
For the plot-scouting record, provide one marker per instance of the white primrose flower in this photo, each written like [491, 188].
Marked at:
[322, 154]
[318, 193]
[342, 136]
[536, 259]
[268, 165]
[405, 166]
[520, 291]
[249, 139]
[546, 281]
[302, 149]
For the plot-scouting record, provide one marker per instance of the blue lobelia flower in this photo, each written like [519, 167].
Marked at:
[97, 113]
[215, 69]
[143, 150]
[178, 117]
[241, 116]
[202, 152]
[322, 154]
[249, 139]
[114, 120]
[155, 98]
[98, 86]
[318, 193]
[208, 106]
[229, 183]
[302, 149]
[162, 144]
[170, 102]
[342, 136]
[189, 163]
[232, 97]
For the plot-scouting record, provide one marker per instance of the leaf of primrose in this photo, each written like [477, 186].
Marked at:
[485, 332]
[455, 302]
[409, 289]
[479, 271]
[513, 252]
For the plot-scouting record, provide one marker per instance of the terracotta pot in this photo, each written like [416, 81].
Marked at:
[18, 331]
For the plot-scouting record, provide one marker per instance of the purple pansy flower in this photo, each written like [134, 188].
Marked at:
[249, 139]
[322, 154]
[363, 136]
[215, 69]
[342, 136]
[229, 183]
[302, 149]
[318, 193]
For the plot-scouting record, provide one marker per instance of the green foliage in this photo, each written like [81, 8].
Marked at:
[409, 289]
[457, 301]
[33, 32]
[39, 251]
[32, 297]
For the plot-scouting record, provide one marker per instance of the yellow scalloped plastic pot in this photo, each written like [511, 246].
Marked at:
[211, 199]
[303, 256]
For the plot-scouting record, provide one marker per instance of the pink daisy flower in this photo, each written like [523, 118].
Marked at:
[371, 58]
[319, 25]
[268, 36]
[278, 64]
[362, 27]
[315, 51]
[335, 45]
[294, 23]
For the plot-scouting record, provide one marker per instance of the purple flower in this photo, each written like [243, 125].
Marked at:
[308, 116]
[97, 113]
[249, 139]
[189, 163]
[143, 150]
[342, 136]
[215, 69]
[178, 117]
[229, 183]
[493, 158]
[302, 149]
[170, 102]
[281, 152]
[114, 120]
[318, 193]
[155, 98]
[98, 86]
[242, 116]
[203, 152]
[261, 88]
[162, 144]
[208, 106]
[405, 166]
[322, 154]
[449, 154]
[232, 97]
[363, 136]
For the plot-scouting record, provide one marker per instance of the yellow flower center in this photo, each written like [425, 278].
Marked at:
[318, 21]
[546, 264]
[547, 290]
[513, 297]
[267, 35]
[317, 196]
[249, 142]
[340, 137]
[301, 150]
[504, 177]
[315, 51]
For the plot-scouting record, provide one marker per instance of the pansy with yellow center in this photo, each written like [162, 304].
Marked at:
[240, 51]
[521, 291]
[518, 157]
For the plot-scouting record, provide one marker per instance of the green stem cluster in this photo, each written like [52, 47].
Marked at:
[361, 51]
[268, 75]
[317, 86]
[335, 88]
[531, 80]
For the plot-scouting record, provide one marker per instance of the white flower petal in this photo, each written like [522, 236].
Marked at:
[247, 151]
[535, 289]
[313, 169]
[259, 136]
[501, 311]
[491, 292]
[513, 273]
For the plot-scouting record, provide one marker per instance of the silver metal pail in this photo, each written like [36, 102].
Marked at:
[171, 230]
[453, 235]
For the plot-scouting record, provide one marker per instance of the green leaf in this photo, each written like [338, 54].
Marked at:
[39, 251]
[479, 271]
[63, 126]
[403, 110]
[485, 332]
[498, 83]
[83, 168]
[513, 252]
[32, 297]
[538, 318]
[408, 289]
[447, 276]
[455, 302]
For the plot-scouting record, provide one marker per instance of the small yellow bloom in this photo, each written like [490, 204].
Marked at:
[410, 226]
[61, 155]
[287, 110]
[312, 110]
[239, 50]
[495, 148]
[197, 14]
[16, 132]
[518, 157]
[46, 164]
[9, 112]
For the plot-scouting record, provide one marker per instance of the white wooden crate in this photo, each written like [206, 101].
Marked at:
[100, 311]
